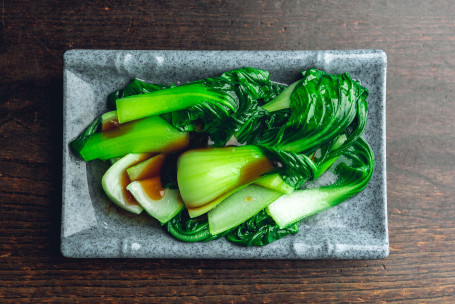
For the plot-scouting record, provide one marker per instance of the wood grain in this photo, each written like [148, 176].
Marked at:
[419, 39]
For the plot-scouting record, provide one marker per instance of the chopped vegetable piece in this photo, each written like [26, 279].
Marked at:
[147, 169]
[163, 206]
[274, 182]
[205, 174]
[116, 179]
[151, 134]
[354, 170]
[109, 121]
[239, 207]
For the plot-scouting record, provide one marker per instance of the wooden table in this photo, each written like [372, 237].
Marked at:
[419, 39]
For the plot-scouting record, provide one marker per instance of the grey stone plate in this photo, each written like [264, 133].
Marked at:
[91, 227]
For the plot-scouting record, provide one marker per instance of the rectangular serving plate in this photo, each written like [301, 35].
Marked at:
[93, 228]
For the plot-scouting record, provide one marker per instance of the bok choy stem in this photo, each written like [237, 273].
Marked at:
[164, 101]
[354, 170]
[151, 134]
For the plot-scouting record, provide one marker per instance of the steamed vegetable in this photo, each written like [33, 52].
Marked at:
[224, 169]
[322, 116]
[147, 169]
[321, 108]
[164, 206]
[255, 193]
[134, 87]
[147, 188]
[109, 122]
[152, 134]
[354, 170]
[217, 106]
[249, 200]
[116, 179]
[260, 230]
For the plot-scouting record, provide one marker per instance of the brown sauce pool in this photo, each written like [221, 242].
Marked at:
[153, 188]
[153, 167]
[125, 180]
[110, 125]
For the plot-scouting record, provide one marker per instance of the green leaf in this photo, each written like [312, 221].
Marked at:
[319, 116]
[78, 143]
[295, 169]
[260, 230]
[215, 106]
[353, 169]
[323, 107]
[187, 229]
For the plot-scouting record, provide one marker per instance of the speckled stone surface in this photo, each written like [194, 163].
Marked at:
[91, 227]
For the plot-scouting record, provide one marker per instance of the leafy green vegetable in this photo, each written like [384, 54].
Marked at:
[295, 169]
[292, 134]
[187, 229]
[216, 106]
[319, 116]
[224, 169]
[321, 107]
[78, 143]
[303, 131]
[354, 170]
[239, 207]
[260, 230]
[136, 86]
[151, 134]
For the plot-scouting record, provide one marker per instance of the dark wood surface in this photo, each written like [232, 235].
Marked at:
[419, 39]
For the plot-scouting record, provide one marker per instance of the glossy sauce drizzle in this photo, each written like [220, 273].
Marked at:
[254, 170]
[153, 188]
[124, 181]
[110, 125]
[153, 167]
